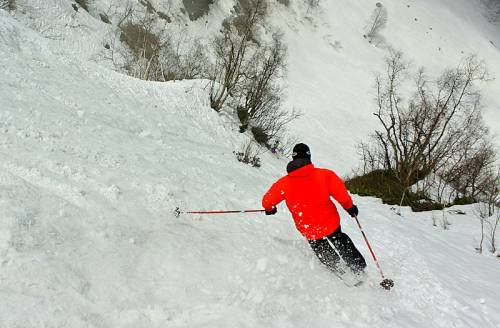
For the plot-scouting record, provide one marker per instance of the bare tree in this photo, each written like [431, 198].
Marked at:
[419, 137]
[488, 207]
[261, 92]
[482, 217]
[272, 125]
[371, 157]
[469, 170]
[183, 58]
[440, 216]
[494, 231]
[120, 11]
[153, 52]
[377, 22]
[147, 43]
[489, 189]
[232, 51]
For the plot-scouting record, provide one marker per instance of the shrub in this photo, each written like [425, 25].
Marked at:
[172, 59]
[464, 200]
[232, 51]
[384, 184]
[260, 136]
[247, 73]
[425, 205]
[379, 183]
[260, 89]
[248, 155]
[183, 58]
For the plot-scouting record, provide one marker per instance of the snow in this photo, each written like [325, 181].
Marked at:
[93, 164]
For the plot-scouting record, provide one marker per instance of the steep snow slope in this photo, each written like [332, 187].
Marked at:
[92, 164]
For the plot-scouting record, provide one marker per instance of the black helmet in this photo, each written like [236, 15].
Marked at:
[301, 151]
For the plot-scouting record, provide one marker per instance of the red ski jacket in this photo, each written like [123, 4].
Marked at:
[307, 192]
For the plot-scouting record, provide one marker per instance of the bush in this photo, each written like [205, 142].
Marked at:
[181, 59]
[379, 183]
[261, 92]
[384, 184]
[260, 136]
[426, 205]
[465, 200]
[251, 160]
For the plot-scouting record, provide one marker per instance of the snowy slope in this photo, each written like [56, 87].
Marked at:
[332, 67]
[92, 164]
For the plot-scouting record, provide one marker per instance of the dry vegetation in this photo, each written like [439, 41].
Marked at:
[437, 139]
[247, 71]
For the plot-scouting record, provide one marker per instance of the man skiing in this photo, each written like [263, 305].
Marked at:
[307, 191]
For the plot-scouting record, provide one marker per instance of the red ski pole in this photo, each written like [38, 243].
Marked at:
[386, 283]
[178, 212]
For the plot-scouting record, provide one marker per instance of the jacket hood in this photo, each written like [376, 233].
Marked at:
[300, 167]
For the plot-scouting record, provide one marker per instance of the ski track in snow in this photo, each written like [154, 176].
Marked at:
[92, 165]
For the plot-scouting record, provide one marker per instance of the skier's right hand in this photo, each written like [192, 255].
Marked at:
[272, 212]
[353, 211]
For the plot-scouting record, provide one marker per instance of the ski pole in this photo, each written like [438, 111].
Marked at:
[178, 212]
[386, 283]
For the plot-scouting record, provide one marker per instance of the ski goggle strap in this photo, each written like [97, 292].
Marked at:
[295, 153]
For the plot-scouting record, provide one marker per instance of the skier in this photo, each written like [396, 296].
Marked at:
[307, 191]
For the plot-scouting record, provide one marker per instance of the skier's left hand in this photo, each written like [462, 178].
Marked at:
[353, 211]
[272, 212]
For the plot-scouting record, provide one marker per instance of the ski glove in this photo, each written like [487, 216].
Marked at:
[272, 212]
[353, 211]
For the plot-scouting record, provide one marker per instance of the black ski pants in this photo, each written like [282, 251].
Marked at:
[338, 243]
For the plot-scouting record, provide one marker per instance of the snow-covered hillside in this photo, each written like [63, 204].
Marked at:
[332, 67]
[93, 163]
